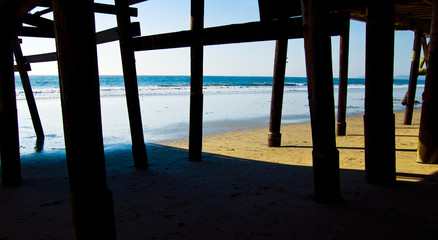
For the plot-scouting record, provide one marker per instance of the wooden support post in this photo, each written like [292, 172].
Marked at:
[131, 87]
[274, 135]
[317, 45]
[428, 138]
[91, 200]
[196, 81]
[21, 65]
[410, 100]
[425, 45]
[343, 79]
[9, 141]
[379, 116]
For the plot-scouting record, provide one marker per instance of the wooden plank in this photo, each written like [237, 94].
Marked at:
[105, 36]
[196, 81]
[111, 9]
[112, 34]
[343, 79]
[35, 32]
[379, 117]
[91, 200]
[325, 155]
[235, 33]
[37, 21]
[428, 137]
[46, 57]
[9, 141]
[103, 8]
[132, 2]
[415, 64]
[27, 67]
[274, 135]
[131, 87]
[25, 6]
[33, 110]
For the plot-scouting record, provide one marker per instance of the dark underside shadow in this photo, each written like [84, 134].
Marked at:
[219, 198]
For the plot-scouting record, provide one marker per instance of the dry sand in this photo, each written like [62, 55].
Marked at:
[241, 190]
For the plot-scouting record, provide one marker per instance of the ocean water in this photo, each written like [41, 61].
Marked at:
[230, 103]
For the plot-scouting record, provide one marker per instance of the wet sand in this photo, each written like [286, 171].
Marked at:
[241, 190]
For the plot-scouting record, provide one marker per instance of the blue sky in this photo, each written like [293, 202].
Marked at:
[245, 59]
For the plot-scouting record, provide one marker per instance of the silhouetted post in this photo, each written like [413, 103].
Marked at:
[317, 45]
[21, 65]
[415, 64]
[131, 87]
[9, 143]
[343, 78]
[428, 138]
[379, 116]
[196, 81]
[91, 200]
[274, 135]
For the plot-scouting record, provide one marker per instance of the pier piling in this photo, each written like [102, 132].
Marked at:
[274, 135]
[196, 81]
[413, 76]
[131, 85]
[36, 121]
[317, 44]
[428, 136]
[91, 200]
[9, 141]
[343, 78]
[379, 125]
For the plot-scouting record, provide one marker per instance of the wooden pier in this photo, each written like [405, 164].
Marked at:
[313, 20]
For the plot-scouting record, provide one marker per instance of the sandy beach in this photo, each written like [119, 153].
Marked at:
[241, 190]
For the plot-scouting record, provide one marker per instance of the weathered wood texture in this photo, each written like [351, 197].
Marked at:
[343, 78]
[196, 81]
[415, 63]
[236, 33]
[9, 141]
[131, 87]
[379, 117]
[428, 138]
[274, 135]
[36, 121]
[317, 45]
[91, 200]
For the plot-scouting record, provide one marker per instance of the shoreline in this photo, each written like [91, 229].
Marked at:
[297, 142]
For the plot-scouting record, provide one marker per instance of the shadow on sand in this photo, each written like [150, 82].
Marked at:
[219, 198]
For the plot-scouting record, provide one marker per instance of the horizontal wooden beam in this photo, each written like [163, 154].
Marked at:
[111, 9]
[27, 67]
[101, 37]
[35, 32]
[112, 34]
[46, 57]
[236, 33]
[102, 8]
[132, 2]
[106, 36]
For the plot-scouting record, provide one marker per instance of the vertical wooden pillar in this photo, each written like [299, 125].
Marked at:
[21, 65]
[9, 141]
[196, 81]
[274, 135]
[317, 45]
[415, 64]
[428, 138]
[91, 200]
[379, 116]
[343, 78]
[131, 87]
